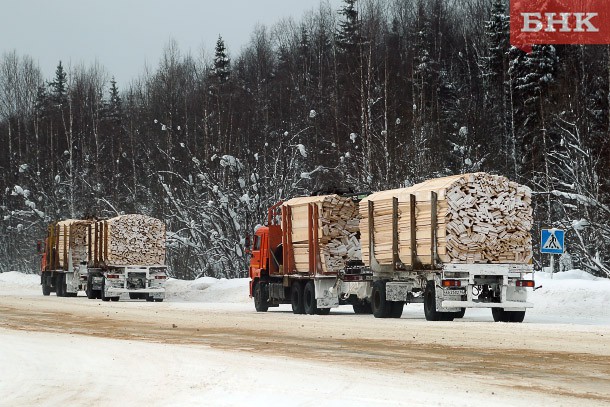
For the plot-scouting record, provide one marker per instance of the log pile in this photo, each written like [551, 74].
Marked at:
[337, 231]
[481, 218]
[132, 240]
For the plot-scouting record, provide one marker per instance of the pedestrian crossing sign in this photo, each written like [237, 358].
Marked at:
[552, 241]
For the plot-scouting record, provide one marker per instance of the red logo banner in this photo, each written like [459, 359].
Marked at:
[559, 22]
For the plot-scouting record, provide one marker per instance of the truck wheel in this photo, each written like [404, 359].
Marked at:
[296, 298]
[396, 308]
[60, 285]
[362, 307]
[430, 303]
[149, 298]
[102, 291]
[323, 311]
[498, 315]
[310, 304]
[261, 303]
[158, 299]
[459, 314]
[381, 307]
[115, 299]
[515, 316]
[46, 290]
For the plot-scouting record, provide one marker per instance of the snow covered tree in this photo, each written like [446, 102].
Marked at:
[578, 198]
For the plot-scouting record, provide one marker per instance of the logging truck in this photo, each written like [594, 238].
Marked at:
[287, 265]
[104, 259]
[451, 243]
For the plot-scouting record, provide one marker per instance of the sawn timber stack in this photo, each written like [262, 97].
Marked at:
[336, 228]
[480, 218]
[128, 240]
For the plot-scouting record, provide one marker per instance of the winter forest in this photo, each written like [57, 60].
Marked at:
[376, 95]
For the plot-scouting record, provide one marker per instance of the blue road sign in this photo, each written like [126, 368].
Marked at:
[552, 241]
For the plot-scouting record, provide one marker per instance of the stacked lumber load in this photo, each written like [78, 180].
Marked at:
[481, 218]
[337, 229]
[72, 241]
[131, 240]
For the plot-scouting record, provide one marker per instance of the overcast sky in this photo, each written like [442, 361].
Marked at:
[123, 35]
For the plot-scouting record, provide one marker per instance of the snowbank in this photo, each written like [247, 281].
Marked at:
[208, 289]
[570, 297]
[15, 280]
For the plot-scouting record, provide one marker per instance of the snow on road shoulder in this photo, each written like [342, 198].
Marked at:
[13, 282]
[208, 289]
[571, 297]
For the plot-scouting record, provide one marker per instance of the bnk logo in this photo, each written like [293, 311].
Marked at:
[559, 22]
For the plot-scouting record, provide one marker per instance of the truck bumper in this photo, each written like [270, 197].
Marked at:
[507, 305]
[153, 292]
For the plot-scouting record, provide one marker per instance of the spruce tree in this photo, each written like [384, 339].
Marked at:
[349, 36]
[58, 86]
[222, 63]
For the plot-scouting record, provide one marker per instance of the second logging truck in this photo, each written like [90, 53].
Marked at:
[122, 255]
[450, 243]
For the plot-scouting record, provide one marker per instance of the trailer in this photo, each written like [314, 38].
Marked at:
[92, 256]
[64, 258]
[127, 256]
[422, 259]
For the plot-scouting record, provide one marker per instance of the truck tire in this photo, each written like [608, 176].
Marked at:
[158, 299]
[500, 315]
[261, 302]
[381, 307]
[515, 316]
[60, 285]
[310, 304]
[115, 299]
[459, 314]
[362, 307]
[396, 308]
[46, 290]
[102, 291]
[323, 311]
[430, 302]
[296, 298]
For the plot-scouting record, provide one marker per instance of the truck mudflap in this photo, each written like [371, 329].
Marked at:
[326, 292]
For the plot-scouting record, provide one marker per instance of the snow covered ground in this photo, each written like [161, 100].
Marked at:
[130, 372]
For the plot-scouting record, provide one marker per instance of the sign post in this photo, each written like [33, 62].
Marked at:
[552, 241]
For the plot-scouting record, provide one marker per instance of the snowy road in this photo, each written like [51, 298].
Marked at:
[185, 352]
